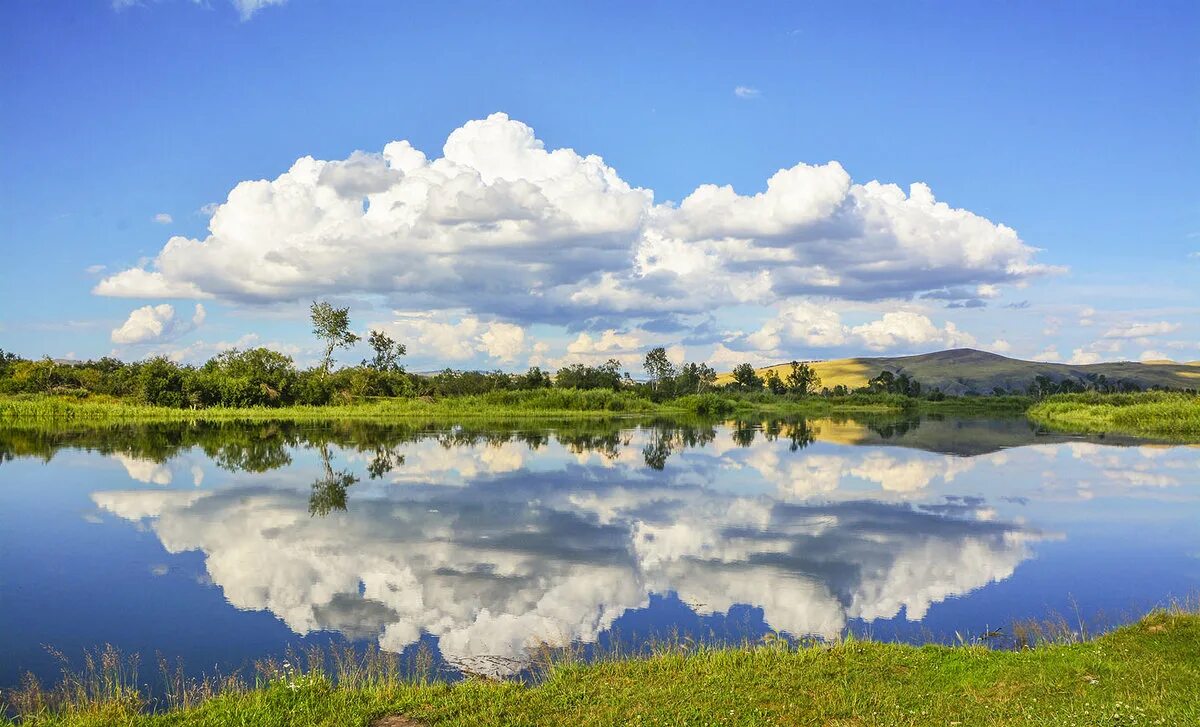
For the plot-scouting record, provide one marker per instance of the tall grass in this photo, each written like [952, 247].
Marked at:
[1165, 414]
[529, 403]
[1058, 674]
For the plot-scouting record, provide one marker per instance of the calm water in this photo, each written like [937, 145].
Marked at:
[221, 544]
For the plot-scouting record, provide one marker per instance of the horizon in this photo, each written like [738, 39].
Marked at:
[750, 186]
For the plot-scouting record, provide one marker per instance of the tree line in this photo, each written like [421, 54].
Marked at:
[264, 377]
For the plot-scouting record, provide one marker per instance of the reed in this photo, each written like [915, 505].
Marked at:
[1162, 414]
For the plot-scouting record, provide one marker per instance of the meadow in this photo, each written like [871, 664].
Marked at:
[1159, 414]
[1141, 674]
[529, 403]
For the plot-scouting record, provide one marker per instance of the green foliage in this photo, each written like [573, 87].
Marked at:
[582, 376]
[658, 366]
[745, 378]
[1144, 673]
[802, 379]
[888, 383]
[387, 353]
[1169, 415]
[332, 326]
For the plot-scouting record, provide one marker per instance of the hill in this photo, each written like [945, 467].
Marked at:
[965, 370]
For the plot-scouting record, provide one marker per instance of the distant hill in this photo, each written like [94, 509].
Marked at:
[965, 370]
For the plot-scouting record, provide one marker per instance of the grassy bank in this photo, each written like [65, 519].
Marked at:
[1160, 414]
[559, 403]
[1143, 674]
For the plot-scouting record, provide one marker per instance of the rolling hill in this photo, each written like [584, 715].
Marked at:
[965, 370]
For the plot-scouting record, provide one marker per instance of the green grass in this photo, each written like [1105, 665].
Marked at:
[1160, 414]
[560, 403]
[1143, 674]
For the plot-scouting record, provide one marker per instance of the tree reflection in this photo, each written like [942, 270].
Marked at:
[329, 492]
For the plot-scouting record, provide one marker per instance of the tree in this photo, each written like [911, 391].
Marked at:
[694, 378]
[747, 378]
[387, 352]
[802, 379]
[774, 384]
[658, 366]
[332, 326]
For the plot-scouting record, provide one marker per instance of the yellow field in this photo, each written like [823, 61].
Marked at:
[851, 372]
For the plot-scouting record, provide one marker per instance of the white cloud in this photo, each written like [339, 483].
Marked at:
[1142, 330]
[1050, 354]
[803, 324]
[457, 340]
[1000, 346]
[746, 92]
[156, 324]
[163, 218]
[905, 328]
[247, 8]
[94, 269]
[502, 227]
[1152, 355]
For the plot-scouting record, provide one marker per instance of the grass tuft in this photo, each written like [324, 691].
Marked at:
[1144, 674]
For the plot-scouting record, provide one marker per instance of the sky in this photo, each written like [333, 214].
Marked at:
[500, 185]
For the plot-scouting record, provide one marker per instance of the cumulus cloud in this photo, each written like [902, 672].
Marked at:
[163, 218]
[156, 324]
[911, 329]
[746, 92]
[460, 339]
[804, 324]
[1142, 330]
[500, 226]
[1000, 346]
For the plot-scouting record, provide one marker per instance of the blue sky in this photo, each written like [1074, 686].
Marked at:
[1062, 139]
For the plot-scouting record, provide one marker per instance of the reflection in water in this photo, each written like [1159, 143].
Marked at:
[507, 557]
[329, 491]
[492, 537]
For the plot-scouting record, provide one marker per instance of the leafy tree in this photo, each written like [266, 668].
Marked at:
[802, 379]
[658, 366]
[534, 378]
[581, 376]
[160, 382]
[694, 378]
[332, 326]
[746, 378]
[387, 352]
[255, 377]
[774, 384]
[884, 383]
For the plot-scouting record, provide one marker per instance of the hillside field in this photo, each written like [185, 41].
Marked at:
[964, 370]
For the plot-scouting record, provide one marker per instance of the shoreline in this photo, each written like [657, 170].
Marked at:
[1141, 673]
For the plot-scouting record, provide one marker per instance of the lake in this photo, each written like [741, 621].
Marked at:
[219, 544]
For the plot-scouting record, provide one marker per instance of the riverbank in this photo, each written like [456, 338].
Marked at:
[1157, 414]
[559, 403]
[1142, 674]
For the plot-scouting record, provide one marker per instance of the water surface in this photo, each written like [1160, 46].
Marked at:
[223, 543]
